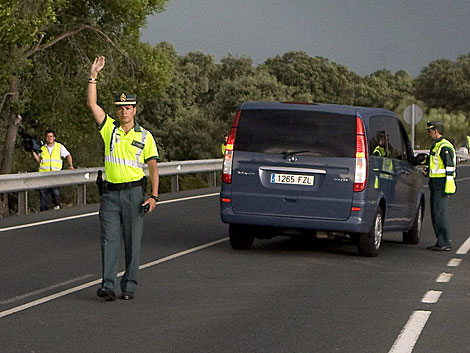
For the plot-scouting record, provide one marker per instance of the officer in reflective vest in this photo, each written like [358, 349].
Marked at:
[441, 172]
[224, 144]
[127, 147]
[467, 143]
[385, 165]
[50, 160]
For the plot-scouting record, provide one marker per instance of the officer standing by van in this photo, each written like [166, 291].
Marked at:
[127, 147]
[441, 172]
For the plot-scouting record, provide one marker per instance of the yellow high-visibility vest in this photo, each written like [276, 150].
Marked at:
[437, 169]
[51, 162]
[126, 154]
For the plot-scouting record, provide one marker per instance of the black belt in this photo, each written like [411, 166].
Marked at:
[123, 186]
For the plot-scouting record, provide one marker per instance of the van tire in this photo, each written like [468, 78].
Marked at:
[414, 234]
[241, 238]
[369, 243]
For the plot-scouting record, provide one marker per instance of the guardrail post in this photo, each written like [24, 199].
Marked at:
[81, 195]
[23, 203]
[175, 185]
[213, 179]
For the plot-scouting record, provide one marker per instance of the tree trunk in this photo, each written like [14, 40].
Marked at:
[12, 130]
[9, 143]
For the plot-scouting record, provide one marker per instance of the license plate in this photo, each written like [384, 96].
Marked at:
[293, 179]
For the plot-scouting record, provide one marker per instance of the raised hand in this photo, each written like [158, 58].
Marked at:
[97, 65]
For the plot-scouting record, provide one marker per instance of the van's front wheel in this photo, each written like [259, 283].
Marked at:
[414, 234]
[241, 237]
[369, 243]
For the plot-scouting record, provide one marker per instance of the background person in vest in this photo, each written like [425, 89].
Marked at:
[127, 147]
[50, 160]
[441, 172]
[224, 144]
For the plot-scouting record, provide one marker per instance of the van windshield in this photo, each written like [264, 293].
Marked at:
[296, 132]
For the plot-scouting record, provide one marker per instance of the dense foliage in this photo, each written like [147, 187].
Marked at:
[186, 101]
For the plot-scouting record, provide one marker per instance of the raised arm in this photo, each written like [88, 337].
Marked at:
[92, 97]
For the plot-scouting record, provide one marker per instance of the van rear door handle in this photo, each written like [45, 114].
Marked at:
[290, 199]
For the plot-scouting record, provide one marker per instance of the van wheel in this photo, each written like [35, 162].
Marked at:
[414, 234]
[369, 243]
[241, 237]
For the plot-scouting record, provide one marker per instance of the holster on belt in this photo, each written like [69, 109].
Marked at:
[100, 182]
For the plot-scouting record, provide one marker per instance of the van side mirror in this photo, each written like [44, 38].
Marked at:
[421, 159]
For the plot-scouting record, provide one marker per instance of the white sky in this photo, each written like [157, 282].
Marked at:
[364, 35]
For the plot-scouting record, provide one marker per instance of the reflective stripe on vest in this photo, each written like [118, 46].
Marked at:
[50, 162]
[124, 162]
[142, 140]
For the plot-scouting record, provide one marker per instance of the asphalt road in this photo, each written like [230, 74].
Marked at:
[196, 294]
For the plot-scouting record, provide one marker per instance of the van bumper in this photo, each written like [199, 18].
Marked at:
[358, 222]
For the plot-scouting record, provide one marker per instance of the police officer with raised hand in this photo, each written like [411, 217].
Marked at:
[441, 172]
[127, 147]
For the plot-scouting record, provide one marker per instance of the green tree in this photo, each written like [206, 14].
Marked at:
[260, 87]
[46, 51]
[446, 83]
[383, 89]
[179, 114]
[318, 78]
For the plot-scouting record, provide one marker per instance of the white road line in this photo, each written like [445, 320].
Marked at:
[410, 333]
[98, 281]
[431, 297]
[454, 262]
[464, 248]
[42, 290]
[96, 213]
[48, 221]
[444, 277]
[182, 253]
[48, 298]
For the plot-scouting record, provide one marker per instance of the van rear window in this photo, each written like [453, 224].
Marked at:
[296, 132]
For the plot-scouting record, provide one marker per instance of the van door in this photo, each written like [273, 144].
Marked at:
[294, 163]
[409, 179]
[398, 181]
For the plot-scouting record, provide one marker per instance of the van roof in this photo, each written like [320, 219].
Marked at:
[330, 108]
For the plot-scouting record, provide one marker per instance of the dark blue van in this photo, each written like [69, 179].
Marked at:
[320, 168]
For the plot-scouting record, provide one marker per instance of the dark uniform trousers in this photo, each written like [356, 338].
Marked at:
[439, 206]
[121, 215]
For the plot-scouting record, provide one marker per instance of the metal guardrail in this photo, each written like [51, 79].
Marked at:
[24, 182]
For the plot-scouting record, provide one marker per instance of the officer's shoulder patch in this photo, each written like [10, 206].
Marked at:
[138, 144]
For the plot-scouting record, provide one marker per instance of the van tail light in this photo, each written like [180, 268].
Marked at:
[228, 157]
[360, 176]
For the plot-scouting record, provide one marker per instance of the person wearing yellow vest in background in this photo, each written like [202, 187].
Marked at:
[467, 143]
[224, 144]
[385, 170]
[441, 173]
[50, 160]
[127, 147]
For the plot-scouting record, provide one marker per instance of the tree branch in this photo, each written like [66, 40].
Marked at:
[72, 33]
[5, 98]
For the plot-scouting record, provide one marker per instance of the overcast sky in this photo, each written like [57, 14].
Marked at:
[364, 35]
